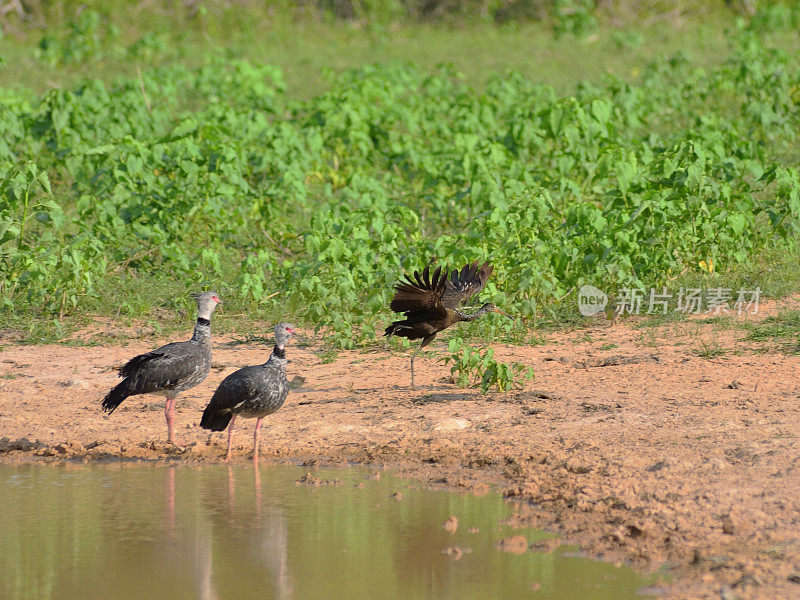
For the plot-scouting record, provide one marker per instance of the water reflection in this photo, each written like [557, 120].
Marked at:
[204, 565]
[241, 532]
[266, 539]
[170, 489]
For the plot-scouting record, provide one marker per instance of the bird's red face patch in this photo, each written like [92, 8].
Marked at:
[216, 299]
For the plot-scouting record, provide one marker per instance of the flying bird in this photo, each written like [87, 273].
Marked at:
[430, 303]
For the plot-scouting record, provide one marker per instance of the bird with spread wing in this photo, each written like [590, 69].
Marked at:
[430, 302]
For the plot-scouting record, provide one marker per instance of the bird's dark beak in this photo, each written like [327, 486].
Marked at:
[505, 314]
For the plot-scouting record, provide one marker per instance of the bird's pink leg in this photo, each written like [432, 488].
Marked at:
[169, 415]
[255, 445]
[230, 438]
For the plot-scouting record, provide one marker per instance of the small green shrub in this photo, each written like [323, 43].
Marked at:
[474, 367]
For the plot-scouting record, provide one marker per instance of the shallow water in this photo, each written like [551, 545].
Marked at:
[214, 532]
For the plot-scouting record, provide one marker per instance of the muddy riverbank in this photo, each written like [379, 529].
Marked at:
[634, 443]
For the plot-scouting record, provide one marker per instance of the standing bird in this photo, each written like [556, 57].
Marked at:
[255, 391]
[430, 303]
[171, 369]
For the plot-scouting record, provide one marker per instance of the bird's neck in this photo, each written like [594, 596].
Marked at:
[202, 330]
[277, 360]
[462, 316]
[205, 309]
[278, 356]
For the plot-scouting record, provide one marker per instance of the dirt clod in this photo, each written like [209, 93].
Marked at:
[515, 544]
[23, 444]
[451, 524]
[457, 551]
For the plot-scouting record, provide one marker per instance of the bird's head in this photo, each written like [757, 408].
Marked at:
[206, 303]
[283, 332]
[489, 307]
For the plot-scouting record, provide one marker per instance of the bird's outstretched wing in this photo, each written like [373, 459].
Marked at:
[464, 284]
[420, 292]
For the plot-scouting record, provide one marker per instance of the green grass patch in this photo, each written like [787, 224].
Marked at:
[781, 331]
[710, 349]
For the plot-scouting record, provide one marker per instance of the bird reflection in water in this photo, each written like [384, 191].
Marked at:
[204, 563]
[231, 490]
[274, 537]
[249, 532]
[257, 488]
[170, 500]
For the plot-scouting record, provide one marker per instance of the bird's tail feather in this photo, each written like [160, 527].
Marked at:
[215, 420]
[115, 397]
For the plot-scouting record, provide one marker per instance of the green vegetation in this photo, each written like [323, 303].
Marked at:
[129, 37]
[200, 166]
[782, 329]
[474, 367]
[709, 349]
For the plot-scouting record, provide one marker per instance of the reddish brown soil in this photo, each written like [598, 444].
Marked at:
[628, 442]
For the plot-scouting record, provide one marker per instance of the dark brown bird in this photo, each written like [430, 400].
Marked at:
[429, 303]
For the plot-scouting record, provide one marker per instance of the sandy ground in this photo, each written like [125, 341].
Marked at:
[628, 442]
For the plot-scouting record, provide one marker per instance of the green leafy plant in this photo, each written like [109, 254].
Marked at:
[312, 209]
[83, 40]
[25, 196]
[709, 349]
[574, 17]
[477, 367]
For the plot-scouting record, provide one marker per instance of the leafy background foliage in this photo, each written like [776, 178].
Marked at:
[310, 209]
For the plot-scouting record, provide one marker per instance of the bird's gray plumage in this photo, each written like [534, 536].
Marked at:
[256, 391]
[175, 367]
[171, 369]
[252, 392]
